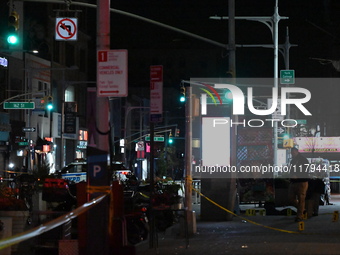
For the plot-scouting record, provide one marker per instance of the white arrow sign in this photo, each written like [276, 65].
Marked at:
[280, 130]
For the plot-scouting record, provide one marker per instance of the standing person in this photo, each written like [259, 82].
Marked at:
[316, 187]
[298, 182]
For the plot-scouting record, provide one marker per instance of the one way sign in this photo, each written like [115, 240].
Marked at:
[28, 129]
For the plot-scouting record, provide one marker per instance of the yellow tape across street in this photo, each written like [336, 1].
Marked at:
[247, 219]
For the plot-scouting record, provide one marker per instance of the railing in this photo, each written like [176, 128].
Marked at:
[51, 224]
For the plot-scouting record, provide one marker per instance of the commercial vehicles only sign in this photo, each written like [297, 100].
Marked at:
[112, 73]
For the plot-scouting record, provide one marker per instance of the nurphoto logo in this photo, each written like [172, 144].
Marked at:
[238, 100]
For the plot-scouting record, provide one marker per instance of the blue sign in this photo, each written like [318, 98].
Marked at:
[97, 170]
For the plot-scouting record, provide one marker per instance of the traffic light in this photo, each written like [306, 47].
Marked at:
[288, 143]
[170, 139]
[182, 96]
[47, 102]
[177, 131]
[13, 27]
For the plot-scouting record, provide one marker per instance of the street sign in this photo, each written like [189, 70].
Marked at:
[156, 93]
[22, 143]
[28, 129]
[19, 105]
[280, 130]
[66, 29]
[304, 122]
[112, 73]
[287, 76]
[155, 138]
[140, 145]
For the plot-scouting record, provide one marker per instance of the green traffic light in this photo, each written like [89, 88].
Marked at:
[182, 99]
[12, 39]
[49, 107]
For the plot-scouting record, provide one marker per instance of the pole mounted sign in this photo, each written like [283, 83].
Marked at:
[66, 29]
[112, 73]
[156, 93]
[28, 129]
[287, 76]
[19, 105]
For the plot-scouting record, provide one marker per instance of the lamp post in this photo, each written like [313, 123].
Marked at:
[128, 110]
[273, 24]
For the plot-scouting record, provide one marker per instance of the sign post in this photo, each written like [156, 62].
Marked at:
[156, 111]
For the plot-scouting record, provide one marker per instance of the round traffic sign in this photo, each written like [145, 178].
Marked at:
[66, 29]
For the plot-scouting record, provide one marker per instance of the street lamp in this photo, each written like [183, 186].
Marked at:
[128, 110]
[272, 23]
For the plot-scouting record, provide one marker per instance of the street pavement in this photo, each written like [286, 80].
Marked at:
[270, 234]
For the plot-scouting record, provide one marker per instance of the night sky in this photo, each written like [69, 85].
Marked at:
[313, 25]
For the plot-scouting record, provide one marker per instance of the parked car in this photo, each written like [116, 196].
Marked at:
[76, 172]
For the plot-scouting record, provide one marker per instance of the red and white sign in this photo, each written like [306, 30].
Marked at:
[112, 73]
[156, 93]
[318, 144]
[66, 29]
[140, 146]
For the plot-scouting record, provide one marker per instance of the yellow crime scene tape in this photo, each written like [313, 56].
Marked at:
[300, 224]
[146, 196]
[98, 189]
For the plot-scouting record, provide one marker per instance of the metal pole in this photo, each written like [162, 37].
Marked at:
[153, 233]
[103, 43]
[232, 70]
[188, 159]
[276, 52]
[62, 156]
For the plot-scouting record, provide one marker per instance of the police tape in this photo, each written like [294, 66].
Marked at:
[143, 195]
[12, 172]
[247, 219]
[4, 243]
[98, 189]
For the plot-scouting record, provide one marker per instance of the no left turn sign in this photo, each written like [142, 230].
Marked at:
[66, 29]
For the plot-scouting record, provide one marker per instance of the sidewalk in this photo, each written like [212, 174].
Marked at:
[256, 235]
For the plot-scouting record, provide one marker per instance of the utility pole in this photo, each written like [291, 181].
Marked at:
[102, 104]
[99, 225]
[233, 134]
